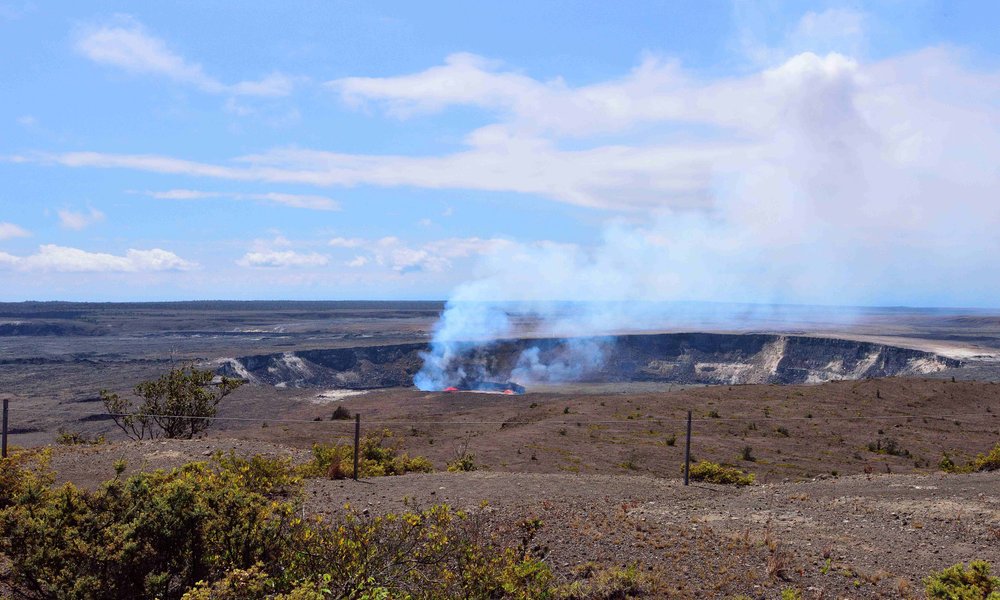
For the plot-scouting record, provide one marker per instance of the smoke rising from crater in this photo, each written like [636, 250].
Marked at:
[830, 183]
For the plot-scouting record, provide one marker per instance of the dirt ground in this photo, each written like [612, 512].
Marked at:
[601, 470]
[862, 536]
[790, 432]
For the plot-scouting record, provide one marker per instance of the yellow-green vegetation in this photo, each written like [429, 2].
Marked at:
[982, 462]
[232, 528]
[380, 454]
[463, 463]
[711, 472]
[958, 583]
[75, 438]
[600, 584]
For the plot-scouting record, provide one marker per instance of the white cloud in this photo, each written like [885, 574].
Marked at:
[841, 30]
[51, 257]
[10, 230]
[407, 257]
[27, 121]
[309, 201]
[357, 261]
[127, 45]
[282, 258]
[340, 242]
[79, 220]
[749, 119]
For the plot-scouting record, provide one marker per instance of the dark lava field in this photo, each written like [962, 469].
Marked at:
[55, 357]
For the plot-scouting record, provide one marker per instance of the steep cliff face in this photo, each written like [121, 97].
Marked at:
[681, 358]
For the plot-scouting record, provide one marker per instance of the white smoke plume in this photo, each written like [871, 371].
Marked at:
[841, 184]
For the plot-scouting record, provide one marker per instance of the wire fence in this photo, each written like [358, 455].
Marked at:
[617, 425]
[643, 420]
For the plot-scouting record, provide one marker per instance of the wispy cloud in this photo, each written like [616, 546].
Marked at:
[409, 257]
[55, 258]
[738, 126]
[309, 201]
[10, 230]
[78, 220]
[340, 242]
[282, 258]
[127, 45]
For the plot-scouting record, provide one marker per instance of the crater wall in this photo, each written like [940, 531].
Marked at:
[691, 358]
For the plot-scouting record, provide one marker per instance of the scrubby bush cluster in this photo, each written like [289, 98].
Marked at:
[982, 462]
[711, 472]
[232, 528]
[463, 463]
[959, 583]
[66, 437]
[379, 454]
[889, 446]
[593, 583]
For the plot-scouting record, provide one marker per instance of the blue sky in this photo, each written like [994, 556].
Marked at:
[737, 151]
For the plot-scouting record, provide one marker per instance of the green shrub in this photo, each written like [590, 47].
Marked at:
[982, 462]
[151, 535]
[24, 474]
[946, 464]
[463, 463]
[379, 453]
[232, 529]
[65, 437]
[987, 462]
[887, 445]
[958, 583]
[711, 472]
[180, 404]
[604, 584]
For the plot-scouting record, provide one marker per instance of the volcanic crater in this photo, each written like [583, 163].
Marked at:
[684, 358]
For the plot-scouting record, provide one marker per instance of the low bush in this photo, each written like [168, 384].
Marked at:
[987, 462]
[711, 472]
[65, 437]
[341, 413]
[380, 454]
[463, 463]
[958, 583]
[231, 528]
[605, 584]
[887, 445]
[982, 462]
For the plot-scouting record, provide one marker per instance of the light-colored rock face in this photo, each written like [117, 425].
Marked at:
[696, 358]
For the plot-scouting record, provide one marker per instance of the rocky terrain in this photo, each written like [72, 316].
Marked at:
[861, 536]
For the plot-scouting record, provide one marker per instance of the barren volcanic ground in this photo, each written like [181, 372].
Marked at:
[847, 502]
[601, 470]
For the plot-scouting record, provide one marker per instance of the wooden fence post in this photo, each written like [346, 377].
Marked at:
[687, 451]
[4, 452]
[357, 442]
